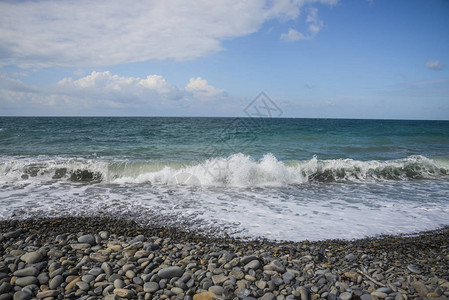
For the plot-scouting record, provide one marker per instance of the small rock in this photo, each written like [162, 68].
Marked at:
[20, 295]
[150, 287]
[47, 293]
[24, 281]
[88, 238]
[254, 264]
[275, 266]
[413, 269]
[350, 257]
[124, 293]
[219, 279]
[379, 295]
[170, 272]
[268, 296]
[32, 257]
[217, 290]
[420, 288]
[30, 271]
[345, 296]
[204, 296]
[55, 282]
[243, 293]
[12, 234]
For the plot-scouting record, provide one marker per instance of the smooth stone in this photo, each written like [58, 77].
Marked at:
[204, 296]
[243, 293]
[83, 285]
[150, 287]
[119, 284]
[345, 296]
[24, 281]
[237, 274]
[88, 238]
[379, 295]
[170, 272]
[12, 234]
[414, 269]
[88, 278]
[177, 290]
[104, 235]
[385, 289]
[124, 293]
[350, 257]
[30, 271]
[80, 246]
[99, 257]
[246, 259]
[95, 271]
[365, 297]
[254, 264]
[303, 293]
[420, 288]
[47, 293]
[21, 296]
[228, 292]
[216, 289]
[56, 282]
[219, 279]
[288, 276]
[106, 267]
[261, 284]
[5, 287]
[32, 257]
[275, 265]
[268, 296]
[72, 283]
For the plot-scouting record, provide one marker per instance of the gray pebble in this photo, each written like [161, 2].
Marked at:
[170, 272]
[56, 282]
[24, 281]
[150, 287]
[21, 296]
[88, 239]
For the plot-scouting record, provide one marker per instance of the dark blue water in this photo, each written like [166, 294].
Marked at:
[280, 178]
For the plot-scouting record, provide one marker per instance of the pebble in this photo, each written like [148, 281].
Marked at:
[30, 271]
[21, 296]
[32, 257]
[24, 281]
[87, 239]
[139, 265]
[150, 287]
[170, 272]
[124, 293]
[414, 269]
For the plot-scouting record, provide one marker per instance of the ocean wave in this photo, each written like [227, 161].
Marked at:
[236, 170]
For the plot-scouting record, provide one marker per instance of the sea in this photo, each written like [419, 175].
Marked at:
[252, 177]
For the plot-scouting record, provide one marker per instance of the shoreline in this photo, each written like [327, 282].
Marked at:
[132, 262]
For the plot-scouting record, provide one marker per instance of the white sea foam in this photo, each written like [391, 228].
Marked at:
[237, 170]
[296, 200]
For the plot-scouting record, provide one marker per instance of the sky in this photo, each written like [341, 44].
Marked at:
[381, 59]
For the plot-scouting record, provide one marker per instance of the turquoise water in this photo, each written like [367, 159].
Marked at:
[279, 178]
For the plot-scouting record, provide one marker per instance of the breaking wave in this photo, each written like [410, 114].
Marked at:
[236, 170]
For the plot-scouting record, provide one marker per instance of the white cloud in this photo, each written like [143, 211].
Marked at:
[314, 25]
[101, 33]
[102, 92]
[292, 36]
[434, 65]
[200, 87]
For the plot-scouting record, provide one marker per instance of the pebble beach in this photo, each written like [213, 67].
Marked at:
[107, 258]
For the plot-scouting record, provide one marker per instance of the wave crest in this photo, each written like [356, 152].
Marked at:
[236, 170]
